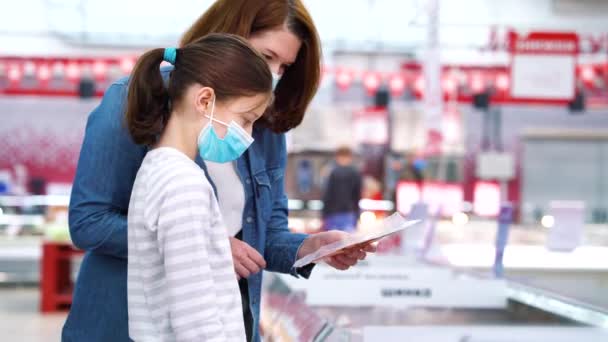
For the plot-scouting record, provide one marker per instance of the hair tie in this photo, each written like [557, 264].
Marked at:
[169, 55]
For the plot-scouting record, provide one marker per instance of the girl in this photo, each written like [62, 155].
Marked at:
[181, 283]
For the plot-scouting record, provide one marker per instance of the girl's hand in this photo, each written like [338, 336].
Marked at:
[247, 261]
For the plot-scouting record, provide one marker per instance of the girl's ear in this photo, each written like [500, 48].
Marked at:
[203, 99]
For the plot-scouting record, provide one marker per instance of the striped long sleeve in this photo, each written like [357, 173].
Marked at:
[187, 242]
[182, 275]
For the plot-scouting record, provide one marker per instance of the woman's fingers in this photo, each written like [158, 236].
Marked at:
[256, 257]
[346, 259]
[250, 265]
[241, 271]
[355, 253]
[247, 260]
[371, 247]
[336, 263]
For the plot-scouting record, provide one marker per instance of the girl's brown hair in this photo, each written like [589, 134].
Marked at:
[224, 62]
[300, 80]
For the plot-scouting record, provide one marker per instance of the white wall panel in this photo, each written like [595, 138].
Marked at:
[562, 170]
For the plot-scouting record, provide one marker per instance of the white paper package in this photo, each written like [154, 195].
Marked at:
[390, 225]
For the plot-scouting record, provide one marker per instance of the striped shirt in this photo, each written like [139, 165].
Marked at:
[181, 280]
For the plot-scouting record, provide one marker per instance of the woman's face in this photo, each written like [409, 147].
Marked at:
[279, 46]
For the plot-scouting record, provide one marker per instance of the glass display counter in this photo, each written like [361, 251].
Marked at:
[390, 296]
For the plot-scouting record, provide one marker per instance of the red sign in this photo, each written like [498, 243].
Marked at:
[551, 43]
[543, 65]
[499, 39]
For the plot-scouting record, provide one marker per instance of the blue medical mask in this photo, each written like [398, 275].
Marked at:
[275, 80]
[218, 150]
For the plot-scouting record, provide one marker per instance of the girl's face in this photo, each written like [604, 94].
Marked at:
[245, 111]
[279, 46]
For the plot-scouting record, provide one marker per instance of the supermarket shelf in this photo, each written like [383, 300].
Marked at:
[34, 200]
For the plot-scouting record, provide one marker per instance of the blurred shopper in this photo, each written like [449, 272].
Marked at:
[414, 169]
[283, 32]
[372, 188]
[181, 280]
[342, 194]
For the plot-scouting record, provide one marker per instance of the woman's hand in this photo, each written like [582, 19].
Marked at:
[247, 261]
[348, 258]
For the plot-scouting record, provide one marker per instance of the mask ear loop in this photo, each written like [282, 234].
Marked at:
[211, 119]
[212, 112]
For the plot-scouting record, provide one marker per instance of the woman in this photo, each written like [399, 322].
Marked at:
[181, 281]
[283, 32]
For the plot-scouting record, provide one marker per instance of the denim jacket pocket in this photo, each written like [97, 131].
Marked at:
[263, 193]
[275, 175]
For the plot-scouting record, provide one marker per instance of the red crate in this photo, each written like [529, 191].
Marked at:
[55, 276]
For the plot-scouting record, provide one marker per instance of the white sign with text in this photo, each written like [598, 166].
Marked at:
[395, 287]
[482, 334]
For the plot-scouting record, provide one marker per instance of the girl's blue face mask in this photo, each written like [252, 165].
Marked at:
[218, 150]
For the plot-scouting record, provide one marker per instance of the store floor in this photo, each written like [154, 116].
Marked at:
[21, 321]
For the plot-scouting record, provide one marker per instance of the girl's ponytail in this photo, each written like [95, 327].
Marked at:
[148, 99]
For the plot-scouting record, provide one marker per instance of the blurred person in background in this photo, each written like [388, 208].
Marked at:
[342, 194]
[372, 188]
[250, 191]
[413, 170]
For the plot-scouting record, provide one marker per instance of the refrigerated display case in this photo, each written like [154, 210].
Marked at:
[396, 299]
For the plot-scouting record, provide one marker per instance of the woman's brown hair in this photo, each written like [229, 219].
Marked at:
[300, 80]
[224, 62]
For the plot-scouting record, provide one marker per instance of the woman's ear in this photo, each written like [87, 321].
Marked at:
[204, 99]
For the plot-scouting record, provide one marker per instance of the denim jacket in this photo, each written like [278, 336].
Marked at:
[108, 163]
